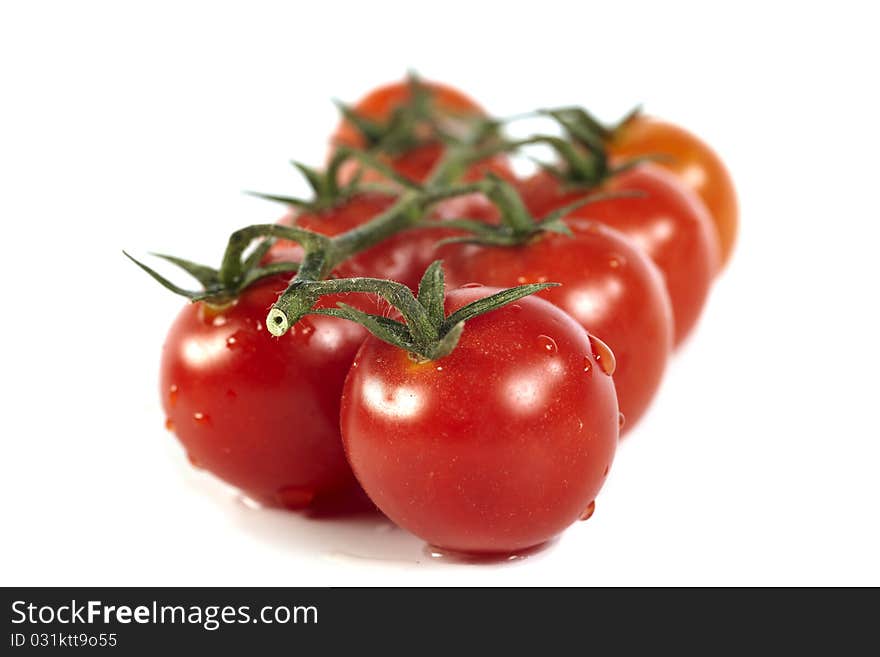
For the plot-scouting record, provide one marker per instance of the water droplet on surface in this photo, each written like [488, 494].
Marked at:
[588, 365]
[294, 497]
[548, 344]
[231, 342]
[621, 420]
[468, 286]
[588, 512]
[515, 307]
[439, 368]
[169, 424]
[603, 355]
[172, 395]
[522, 280]
[455, 557]
[219, 320]
[200, 417]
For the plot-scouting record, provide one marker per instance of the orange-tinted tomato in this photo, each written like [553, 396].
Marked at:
[692, 161]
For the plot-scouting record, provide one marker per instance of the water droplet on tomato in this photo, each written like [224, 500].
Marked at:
[588, 512]
[200, 417]
[294, 497]
[169, 424]
[172, 395]
[219, 320]
[603, 355]
[621, 420]
[616, 261]
[548, 344]
[515, 307]
[588, 365]
[468, 286]
[231, 341]
[521, 280]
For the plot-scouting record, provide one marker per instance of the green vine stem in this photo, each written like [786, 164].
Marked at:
[426, 331]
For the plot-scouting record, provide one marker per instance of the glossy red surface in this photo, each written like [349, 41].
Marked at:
[495, 448]
[261, 413]
[668, 222]
[608, 285]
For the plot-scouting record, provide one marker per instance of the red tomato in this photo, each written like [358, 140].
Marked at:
[261, 413]
[495, 448]
[450, 105]
[608, 285]
[668, 222]
[692, 160]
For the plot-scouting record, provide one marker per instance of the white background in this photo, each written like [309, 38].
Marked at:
[136, 125]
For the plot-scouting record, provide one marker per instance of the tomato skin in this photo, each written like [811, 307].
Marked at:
[418, 162]
[692, 161]
[608, 285]
[261, 413]
[668, 222]
[495, 448]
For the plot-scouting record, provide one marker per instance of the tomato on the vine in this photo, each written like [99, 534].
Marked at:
[691, 160]
[494, 448]
[607, 284]
[402, 257]
[262, 413]
[450, 108]
[666, 220]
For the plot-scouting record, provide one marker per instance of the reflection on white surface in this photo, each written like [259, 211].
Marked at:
[397, 403]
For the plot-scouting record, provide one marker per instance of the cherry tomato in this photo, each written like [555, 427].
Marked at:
[450, 106]
[668, 222]
[692, 160]
[608, 285]
[495, 448]
[261, 413]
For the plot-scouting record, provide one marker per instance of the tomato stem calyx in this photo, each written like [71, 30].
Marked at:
[518, 225]
[425, 331]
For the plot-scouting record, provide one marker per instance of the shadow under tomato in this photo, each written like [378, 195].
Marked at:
[348, 505]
